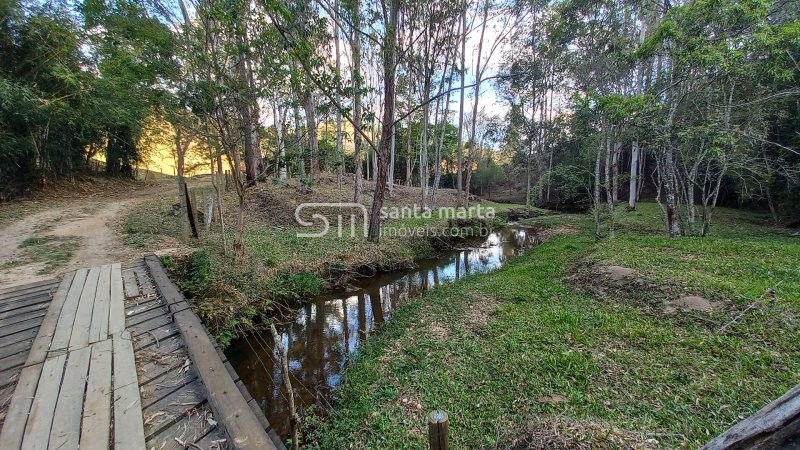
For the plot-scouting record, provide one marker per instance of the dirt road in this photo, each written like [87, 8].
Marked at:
[90, 226]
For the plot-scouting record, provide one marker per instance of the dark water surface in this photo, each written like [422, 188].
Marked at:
[327, 330]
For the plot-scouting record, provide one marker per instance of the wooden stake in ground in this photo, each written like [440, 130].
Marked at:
[438, 429]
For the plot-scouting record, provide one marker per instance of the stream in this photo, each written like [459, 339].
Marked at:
[327, 330]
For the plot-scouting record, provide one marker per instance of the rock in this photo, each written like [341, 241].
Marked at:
[620, 274]
[691, 303]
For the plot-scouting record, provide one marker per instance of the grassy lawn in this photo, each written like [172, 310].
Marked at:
[529, 355]
[50, 251]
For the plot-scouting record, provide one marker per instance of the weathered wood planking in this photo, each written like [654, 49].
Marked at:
[98, 329]
[28, 308]
[116, 313]
[244, 429]
[96, 426]
[37, 430]
[48, 327]
[6, 333]
[128, 423]
[16, 292]
[34, 299]
[66, 428]
[20, 406]
[129, 281]
[9, 351]
[83, 316]
[776, 426]
[63, 331]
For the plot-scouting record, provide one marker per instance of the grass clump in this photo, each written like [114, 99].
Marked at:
[525, 347]
[50, 251]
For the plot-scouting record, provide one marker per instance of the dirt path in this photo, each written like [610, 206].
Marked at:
[89, 226]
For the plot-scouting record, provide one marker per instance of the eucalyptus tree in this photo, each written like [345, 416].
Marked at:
[433, 28]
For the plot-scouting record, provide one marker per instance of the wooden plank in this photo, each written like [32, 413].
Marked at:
[160, 311]
[129, 281]
[174, 407]
[156, 389]
[26, 291]
[66, 429]
[227, 402]
[16, 328]
[98, 330]
[775, 426]
[12, 361]
[189, 429]
[116, 313]
[37, 430]
[42, 297]
[154, 362]
[24, 309]
[142, 308]
[96, 427]
[6, 290]
[13, 349]
[22, 317]
[155, 337]
[17, 415]
[83, 316]
[9, 376]
[128, 424]
[47, 329]
[150, 325]
[63, 331]
[15, 339]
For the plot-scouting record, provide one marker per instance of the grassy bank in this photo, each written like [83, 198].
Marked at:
[277, 265]
[538, 355]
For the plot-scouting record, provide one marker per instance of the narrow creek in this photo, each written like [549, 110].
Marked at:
[326, 331]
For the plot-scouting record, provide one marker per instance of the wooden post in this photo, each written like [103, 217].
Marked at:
[438, 427]
[190, 213]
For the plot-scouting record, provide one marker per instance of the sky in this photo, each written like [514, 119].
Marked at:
[489, 103]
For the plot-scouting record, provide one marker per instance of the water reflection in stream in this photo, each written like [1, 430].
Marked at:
[328, 329]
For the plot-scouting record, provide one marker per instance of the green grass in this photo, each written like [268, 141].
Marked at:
[50, 251]
[515, 338]
[230, 294]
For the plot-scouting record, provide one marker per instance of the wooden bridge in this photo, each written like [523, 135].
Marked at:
[114, 356]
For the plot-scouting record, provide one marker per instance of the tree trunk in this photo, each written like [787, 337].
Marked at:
[279, 138]
[460, 162]
[358, 181]
[634, 175]
[339, 148]
[389, 50]
[311, 130]
[478, 76]
[424, 172]
[596, 195]
[409, 155]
